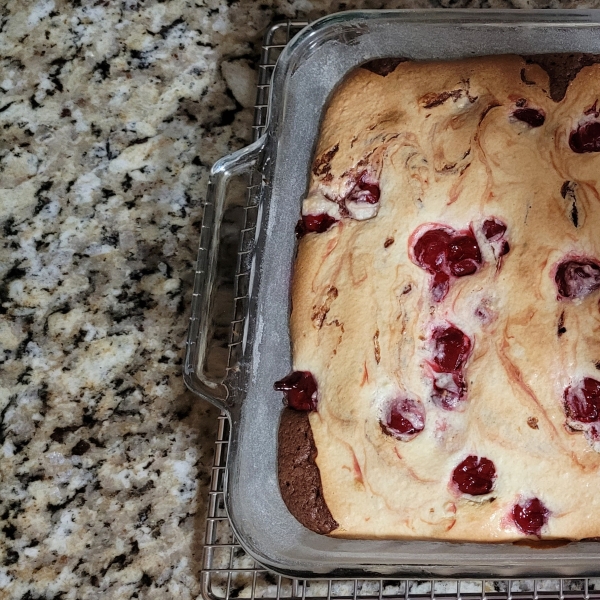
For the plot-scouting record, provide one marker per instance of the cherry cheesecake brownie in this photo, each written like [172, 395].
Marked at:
[445, 315]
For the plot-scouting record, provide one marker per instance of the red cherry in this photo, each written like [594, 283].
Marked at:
[577, 278]
[364, 190]
[493, 229]
[300, 390]
[586, 138]
[464, 256]
[314, 224]
[430, 250]
[532, 116]
[530, 516]
[452, 348]
[403, 419]
[475, 475]
[582, 401]
[444, 252]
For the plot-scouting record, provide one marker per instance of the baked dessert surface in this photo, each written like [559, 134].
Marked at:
[445, 300]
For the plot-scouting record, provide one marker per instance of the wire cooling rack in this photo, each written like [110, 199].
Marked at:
[227, 571]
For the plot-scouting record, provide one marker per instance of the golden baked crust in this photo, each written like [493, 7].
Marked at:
[442, 141]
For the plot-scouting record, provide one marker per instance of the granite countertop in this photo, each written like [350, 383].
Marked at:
[111, 114]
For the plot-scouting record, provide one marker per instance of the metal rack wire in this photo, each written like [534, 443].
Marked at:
[227, 571]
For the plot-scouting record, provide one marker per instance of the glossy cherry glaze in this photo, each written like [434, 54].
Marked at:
[582, 401]
[530, 516]
[586, 138]
[532, 116]
[577, 278]
[314, 224]
[446, 253]
[475, 475]
[403, 419]
[299, 390]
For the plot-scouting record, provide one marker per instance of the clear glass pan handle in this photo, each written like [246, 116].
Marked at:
[195, 377]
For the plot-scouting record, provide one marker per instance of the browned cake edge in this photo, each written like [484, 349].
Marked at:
[299, 476]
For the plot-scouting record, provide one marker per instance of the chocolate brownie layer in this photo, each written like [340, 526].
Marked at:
[562, 69]
[383, 66]
[299, 478]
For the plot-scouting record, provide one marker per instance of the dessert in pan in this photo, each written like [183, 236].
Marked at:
[445, 316]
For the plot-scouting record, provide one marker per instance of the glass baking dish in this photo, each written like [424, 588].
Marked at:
[309, 69]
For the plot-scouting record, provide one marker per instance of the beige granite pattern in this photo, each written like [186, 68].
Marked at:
[111, 114]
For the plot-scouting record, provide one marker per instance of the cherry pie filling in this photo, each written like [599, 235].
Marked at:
[582, 401]
[534, 117]
[475, 475]
[446, 253]
[586, 137]
[451, 349]
[530, 516]
[359, 202]
[314, 224]
[576, 279]
[299, 390]
[403, 419]
[494, 231]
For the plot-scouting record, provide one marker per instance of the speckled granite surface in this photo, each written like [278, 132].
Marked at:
[111, 114]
